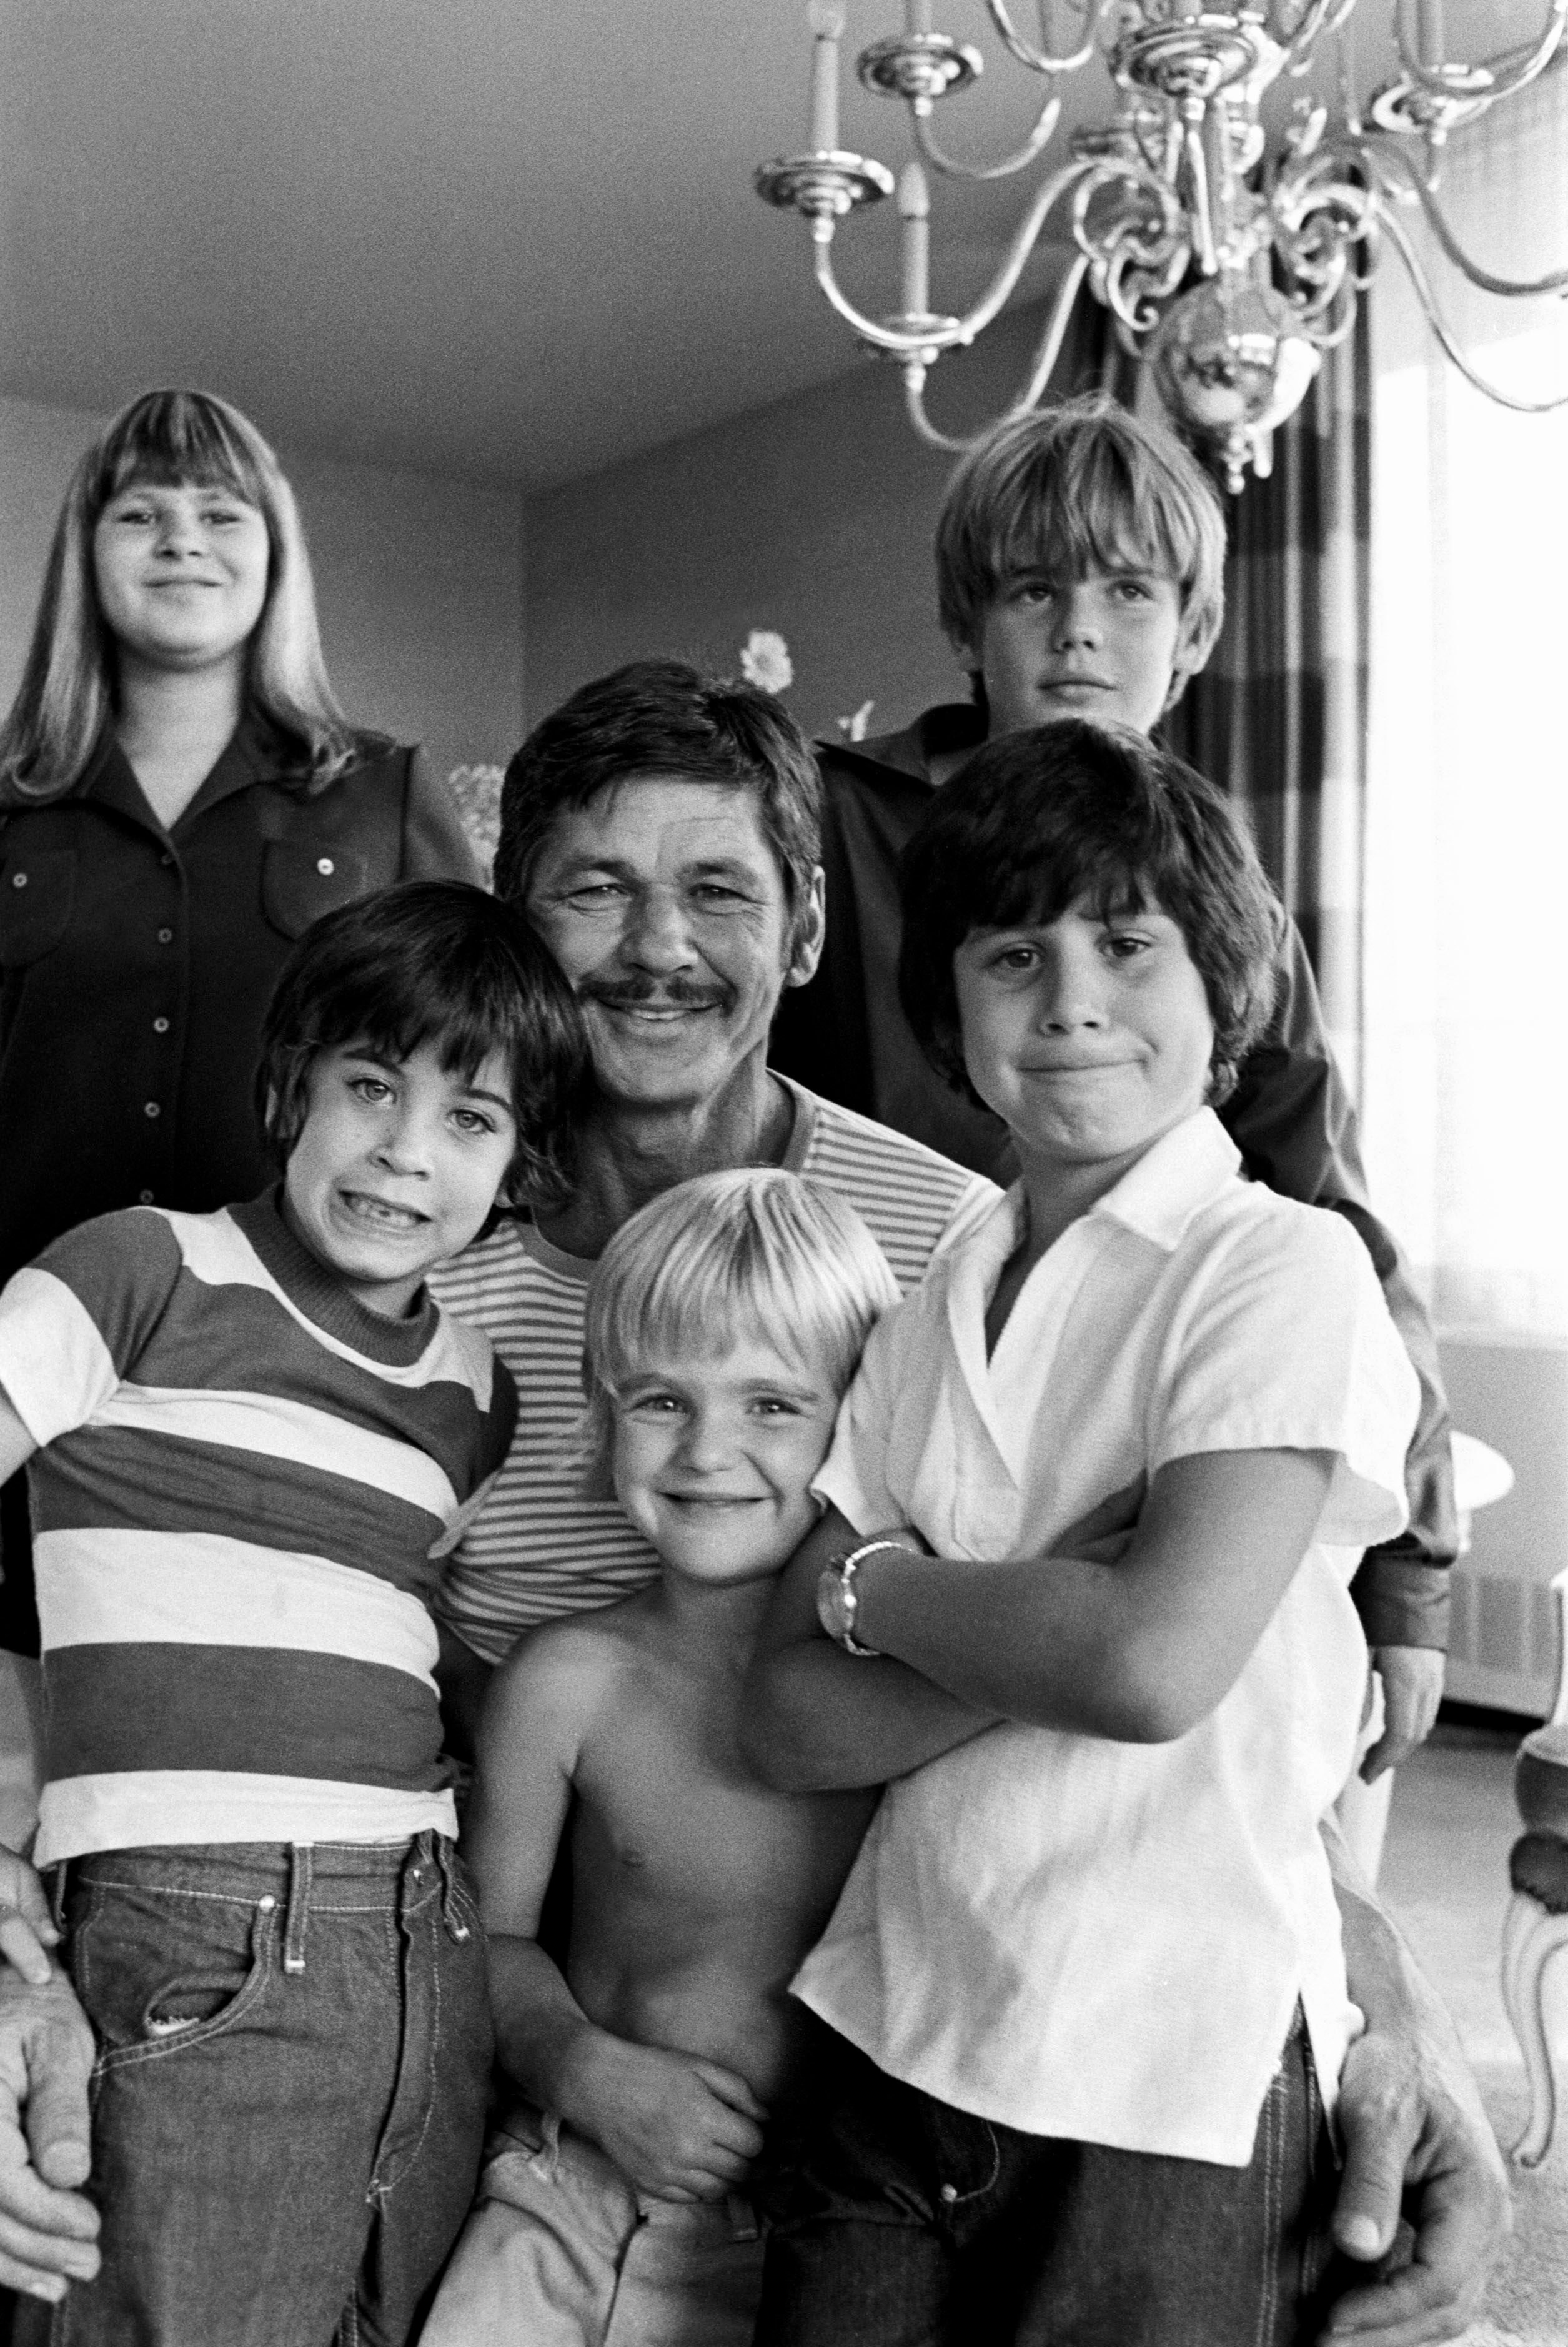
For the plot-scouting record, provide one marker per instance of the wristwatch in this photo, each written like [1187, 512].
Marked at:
[838, 1601]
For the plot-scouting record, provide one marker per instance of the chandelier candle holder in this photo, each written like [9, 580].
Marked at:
[1229, 265]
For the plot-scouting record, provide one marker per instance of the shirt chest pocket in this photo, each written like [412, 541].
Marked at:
[302, 879]
[37, 889]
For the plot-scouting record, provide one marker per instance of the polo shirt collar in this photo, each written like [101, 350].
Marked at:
[1184, 1172]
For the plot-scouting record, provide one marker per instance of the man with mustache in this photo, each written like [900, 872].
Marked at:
[662, 831]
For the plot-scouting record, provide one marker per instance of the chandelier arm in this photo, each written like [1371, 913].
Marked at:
[1322, 16]
[1397, 229]
[1510, 70]
[1200, 208]
[1049, 348]
[1510, 288]
[914, 403]
[1036, 59]
[902, 345]
[909, 342]
[1049, 115]
[1046, 352]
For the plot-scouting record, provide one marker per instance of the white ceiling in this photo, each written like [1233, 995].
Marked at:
[497, 238]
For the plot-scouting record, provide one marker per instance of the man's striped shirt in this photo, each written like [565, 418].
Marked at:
[538, 1548]
[241, 1476]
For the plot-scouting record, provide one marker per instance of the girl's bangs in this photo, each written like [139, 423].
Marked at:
[174, 440]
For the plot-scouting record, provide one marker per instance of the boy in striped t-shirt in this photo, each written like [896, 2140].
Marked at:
[248, 1433]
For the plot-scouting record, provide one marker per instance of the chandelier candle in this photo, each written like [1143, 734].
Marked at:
[826, 24]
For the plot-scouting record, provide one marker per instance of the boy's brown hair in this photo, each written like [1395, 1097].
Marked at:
[1071, 811]
[1062, 488]
[438, 962]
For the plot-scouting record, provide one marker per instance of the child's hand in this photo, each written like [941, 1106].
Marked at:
[26, 1928]
[682, 2128]
[1413, 1680]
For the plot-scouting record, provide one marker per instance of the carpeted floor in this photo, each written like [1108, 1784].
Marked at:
[1445, 1875]
[1527, 2302]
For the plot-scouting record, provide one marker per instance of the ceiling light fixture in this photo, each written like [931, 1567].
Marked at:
[1227, 266]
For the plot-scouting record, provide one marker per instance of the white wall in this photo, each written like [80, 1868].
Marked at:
[419, 582]
[813, 516]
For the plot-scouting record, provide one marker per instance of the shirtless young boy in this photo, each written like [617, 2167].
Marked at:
[613, 2207]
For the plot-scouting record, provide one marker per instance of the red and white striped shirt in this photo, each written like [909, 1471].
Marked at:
[240, 1475]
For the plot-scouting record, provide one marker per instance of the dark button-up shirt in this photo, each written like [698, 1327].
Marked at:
[1290, 1115]
[136, 964]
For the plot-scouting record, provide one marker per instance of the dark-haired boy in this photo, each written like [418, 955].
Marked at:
[1080, 573]
[246, 1431]
[1084, 1990]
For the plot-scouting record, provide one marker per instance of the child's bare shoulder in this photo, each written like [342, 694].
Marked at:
[562, 1679]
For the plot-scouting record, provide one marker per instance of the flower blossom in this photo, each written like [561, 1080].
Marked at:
[765, 660]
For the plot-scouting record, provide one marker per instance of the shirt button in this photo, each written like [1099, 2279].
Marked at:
[18, 879]
[144, 1197]
[161, 1026]
[166, 936]
[325, 865]
[950, 2193]
[166, 857]
[152, 1109]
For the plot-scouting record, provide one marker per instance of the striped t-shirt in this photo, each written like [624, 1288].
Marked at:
[537, 1547]
[241, 1476]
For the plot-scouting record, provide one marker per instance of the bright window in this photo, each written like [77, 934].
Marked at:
[1466, 1001]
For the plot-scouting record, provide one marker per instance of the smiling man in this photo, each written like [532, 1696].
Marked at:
[662, 831]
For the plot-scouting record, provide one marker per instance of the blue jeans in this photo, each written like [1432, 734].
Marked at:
[289, 2097]
[897, 2221]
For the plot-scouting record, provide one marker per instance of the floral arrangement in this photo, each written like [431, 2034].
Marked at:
[765, 660]
[477, 792]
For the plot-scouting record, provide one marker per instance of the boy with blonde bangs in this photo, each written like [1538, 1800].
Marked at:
[1083, 1998]
[1079, 559]
[723, 1322]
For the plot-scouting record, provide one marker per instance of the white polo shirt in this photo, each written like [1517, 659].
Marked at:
[1100, 1941]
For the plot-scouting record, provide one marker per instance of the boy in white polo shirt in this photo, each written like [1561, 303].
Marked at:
[1084, 1993]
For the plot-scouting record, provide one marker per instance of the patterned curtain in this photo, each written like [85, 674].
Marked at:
[1279, 717]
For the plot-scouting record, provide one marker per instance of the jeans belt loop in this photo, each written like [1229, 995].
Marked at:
[298, 1906]
[58, 1888]
[455, 1927]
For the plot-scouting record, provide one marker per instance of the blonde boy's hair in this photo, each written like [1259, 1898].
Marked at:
[749, 1253]
[1061, 487]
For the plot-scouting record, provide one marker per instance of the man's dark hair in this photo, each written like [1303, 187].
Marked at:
[663, 717]
[1039, 821]
[437, 962]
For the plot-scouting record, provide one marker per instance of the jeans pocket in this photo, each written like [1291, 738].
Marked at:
[159, 1972]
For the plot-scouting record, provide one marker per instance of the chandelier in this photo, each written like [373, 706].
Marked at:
[1228, 268]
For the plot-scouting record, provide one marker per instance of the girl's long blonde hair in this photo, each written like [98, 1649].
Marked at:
[68, 689]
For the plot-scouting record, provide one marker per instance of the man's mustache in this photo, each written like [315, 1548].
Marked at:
[668, 994]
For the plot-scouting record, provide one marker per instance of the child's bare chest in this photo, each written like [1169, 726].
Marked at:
[671, 1824]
